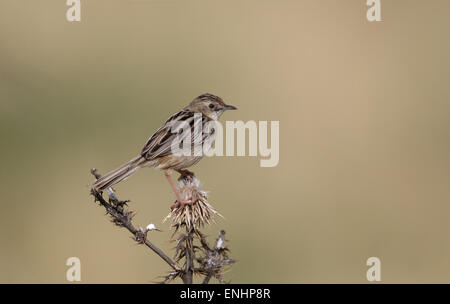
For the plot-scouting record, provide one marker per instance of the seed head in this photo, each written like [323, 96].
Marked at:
[196, 214]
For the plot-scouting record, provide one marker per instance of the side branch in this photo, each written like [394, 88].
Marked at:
[122, 217]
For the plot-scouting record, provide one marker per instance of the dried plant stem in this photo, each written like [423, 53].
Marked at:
[207, 278]
[187, 277]
[123, 218]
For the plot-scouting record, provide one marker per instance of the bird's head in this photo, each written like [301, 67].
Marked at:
[210, 105]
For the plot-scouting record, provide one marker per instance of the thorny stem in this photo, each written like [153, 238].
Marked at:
[115, 209]
[207, 278]
[188, 273]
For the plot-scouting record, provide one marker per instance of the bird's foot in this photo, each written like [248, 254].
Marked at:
[187, 174]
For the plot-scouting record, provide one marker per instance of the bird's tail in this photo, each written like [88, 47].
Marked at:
[119, 174]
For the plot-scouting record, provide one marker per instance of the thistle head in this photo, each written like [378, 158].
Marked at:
[196, 214]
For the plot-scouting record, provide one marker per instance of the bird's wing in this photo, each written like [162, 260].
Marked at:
[160, 143]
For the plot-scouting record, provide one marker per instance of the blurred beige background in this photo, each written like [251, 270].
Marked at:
[364, 135]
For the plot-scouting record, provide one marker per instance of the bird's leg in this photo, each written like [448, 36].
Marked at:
[181, 201]
[186, 173]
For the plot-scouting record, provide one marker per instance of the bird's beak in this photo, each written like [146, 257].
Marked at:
[228, 107]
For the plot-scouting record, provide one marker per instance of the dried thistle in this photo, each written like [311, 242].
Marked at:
[214, 260]
[198, 259]
[195, 215]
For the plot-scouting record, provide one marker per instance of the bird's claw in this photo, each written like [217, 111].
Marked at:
[187, 174]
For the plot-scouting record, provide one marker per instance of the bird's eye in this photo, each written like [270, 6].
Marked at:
[211, 106]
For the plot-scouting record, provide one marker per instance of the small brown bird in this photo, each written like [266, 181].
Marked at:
[158, 151]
